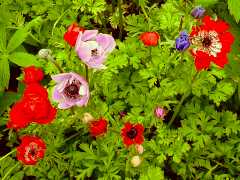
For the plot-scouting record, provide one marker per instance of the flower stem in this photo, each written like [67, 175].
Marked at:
[86, 68]
[14, 150]
[176, 111]
[144, 12]
[72, 136]
[120, 19]
[50, 58]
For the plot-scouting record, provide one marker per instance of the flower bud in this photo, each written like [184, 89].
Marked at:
[182, 42]
[136, 161]
[44, 53]
[160, 112]
[87, 118]
[139, 148]
[198, 12]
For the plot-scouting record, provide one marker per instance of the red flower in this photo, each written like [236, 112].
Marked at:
[32, 75]
[98, 127]
[72, 33]
[132, 134]
[31, 149]
[37, 104]
[33, 107]
[212, 42]
[150, 38]
[18, 117]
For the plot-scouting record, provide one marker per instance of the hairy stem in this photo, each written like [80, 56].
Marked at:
[144, 12]
[86, 75]
[50, 58]
[120, 19]
[14, 150]
[176, 111]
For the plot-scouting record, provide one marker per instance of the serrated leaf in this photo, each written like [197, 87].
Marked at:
[4, 73]
[234, 8]
[23, 59]
[17, 39]
[222, 93]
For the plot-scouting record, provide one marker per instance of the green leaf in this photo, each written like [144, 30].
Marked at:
[223, 92]
[17, 39]
[234, 8]
[205, 3]
[3, 40]
[23, 59]
[4, 73]
[153, 173]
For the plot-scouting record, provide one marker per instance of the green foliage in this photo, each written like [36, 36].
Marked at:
[233, 6]
[203, 141]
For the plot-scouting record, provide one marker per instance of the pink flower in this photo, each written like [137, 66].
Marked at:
[93, 48]
[71, 89]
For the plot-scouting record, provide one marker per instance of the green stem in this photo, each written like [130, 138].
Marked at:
[176, 111]
[120, 19]
[181, 23]
[72, 136]
[50, 58]
[14, 150]
[86, 68]
[10, 170]
[144, 12]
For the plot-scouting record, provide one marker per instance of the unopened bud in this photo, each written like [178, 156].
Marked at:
[87, 118]
[44, 53]
[136, 161]
[139, 148]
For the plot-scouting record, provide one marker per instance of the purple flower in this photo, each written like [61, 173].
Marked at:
[198, 12]
[70, 90]
[160, 112]
[93, 48]
[182, 42]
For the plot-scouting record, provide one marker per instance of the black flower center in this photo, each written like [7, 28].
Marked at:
[206, 42]
[94, 52]
[132, 133]
[72, 91]
[32, 152]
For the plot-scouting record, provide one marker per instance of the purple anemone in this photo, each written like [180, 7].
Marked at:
[71, 89]
[93, 48]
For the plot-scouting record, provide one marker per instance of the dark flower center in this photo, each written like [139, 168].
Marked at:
[132, 133]
[72, 90]
[206, 42]
[94, 52]
[32, 151]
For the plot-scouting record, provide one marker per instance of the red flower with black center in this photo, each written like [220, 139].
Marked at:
[150, 38]
[72, 34]
[32, 75]
[31, 149]
[212, 42]
[98, 127]
[132, 134]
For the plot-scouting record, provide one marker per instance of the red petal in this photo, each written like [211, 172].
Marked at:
[202, 60]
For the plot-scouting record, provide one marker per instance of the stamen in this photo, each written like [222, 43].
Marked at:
[94, 52]
[132, 133]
